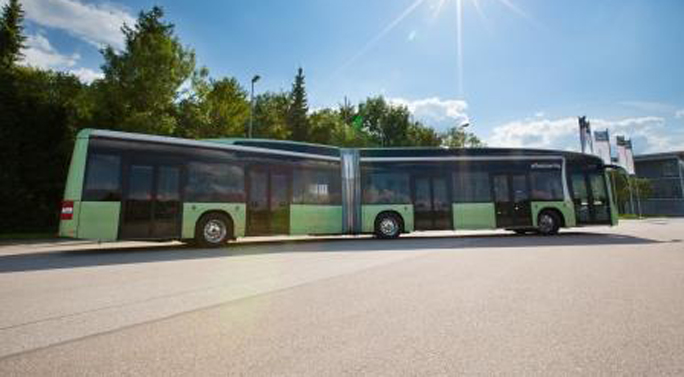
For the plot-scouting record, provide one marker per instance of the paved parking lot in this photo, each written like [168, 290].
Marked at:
[589, 301]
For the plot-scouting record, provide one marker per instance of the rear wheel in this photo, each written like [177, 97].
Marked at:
[548, 223]
[213, 230]
[387, 225]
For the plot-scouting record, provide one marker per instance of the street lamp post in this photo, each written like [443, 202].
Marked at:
[251, 106]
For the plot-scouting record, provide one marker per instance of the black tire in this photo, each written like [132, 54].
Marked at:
[387, 226]
[213, 230]
[548, 223]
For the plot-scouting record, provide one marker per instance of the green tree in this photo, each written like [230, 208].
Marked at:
[297, 114]
[39, 115]
[217, 108]
[11, 34]
[387, 125]
[141, 85]
[271, 116]
[639, 186]
[421, 136]
[458, 137]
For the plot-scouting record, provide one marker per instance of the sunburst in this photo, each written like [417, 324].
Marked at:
[438, 7]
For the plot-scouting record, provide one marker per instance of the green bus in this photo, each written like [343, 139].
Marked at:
[126, 186]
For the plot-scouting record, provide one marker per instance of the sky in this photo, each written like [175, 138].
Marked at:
[518, 71]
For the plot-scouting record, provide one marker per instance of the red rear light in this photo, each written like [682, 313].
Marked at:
[67, 210]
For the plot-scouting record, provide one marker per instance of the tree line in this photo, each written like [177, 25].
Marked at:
[155, 86]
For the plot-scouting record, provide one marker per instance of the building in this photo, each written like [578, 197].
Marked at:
[666, 173]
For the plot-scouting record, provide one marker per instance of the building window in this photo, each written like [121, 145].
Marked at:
[215, 182]
[386, 188]
[316, 187]
[546, 185]
[471, 187]
[103, 178]
[670, 169]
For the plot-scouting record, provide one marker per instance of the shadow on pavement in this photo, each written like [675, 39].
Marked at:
[96, 256]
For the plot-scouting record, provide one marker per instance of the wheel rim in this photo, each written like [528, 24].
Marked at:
[215, 231]
[388, 226]
[546, 223]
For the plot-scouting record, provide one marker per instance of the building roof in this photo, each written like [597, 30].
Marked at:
[659, 156]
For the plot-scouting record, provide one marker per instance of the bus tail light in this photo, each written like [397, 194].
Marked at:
[67, 210]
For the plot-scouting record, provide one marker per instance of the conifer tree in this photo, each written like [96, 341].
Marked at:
[11, 34]
[297, 114]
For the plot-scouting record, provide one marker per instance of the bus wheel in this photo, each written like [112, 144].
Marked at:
[387, 225]
[548, 223]
[213, 230]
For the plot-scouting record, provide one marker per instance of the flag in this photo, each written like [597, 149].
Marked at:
[622, 151]
[602, 146]
[585, 135]
[629, 157]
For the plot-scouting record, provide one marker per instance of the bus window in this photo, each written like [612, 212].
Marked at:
[546, 185]
[471, 187]
[215, 182]
[103, 178]
[599, 196]
[316, 187]
[386, 188]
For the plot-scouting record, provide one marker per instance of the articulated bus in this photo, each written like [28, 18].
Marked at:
[125, 186]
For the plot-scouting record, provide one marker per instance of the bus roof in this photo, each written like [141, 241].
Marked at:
[331, 151]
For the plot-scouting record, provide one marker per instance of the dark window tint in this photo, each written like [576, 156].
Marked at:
[598, 188]
[215, 182]
[103, 178]
[546, 185]
[316, 187]
[520, 191]
[140, 183]
[386, 188]
[666, 188]
[471, 187]
[168, 184]
[501, 194]
[579, 187]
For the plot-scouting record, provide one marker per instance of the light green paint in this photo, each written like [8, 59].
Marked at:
[566, 209]
[74, 183]
[613, 207]
[68, 228]
[474, 216]
[370, 211]
[99, 220]
[193, 211]
[315, 219]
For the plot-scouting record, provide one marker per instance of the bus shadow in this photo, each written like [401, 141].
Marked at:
[97, 256]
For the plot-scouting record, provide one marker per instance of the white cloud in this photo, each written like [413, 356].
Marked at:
[412, 35]
[40, 53]
[679, 114]
[648, 133]
[98, 24]
[435, 112]
[86, 75]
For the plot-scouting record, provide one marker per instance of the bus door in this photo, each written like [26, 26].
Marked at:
[512, 200]
[268, 201]
[590, 196]
[431, 204]
[151, 206]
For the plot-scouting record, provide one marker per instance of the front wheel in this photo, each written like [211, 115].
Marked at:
[387, 225]
[548, 223]
[213, 230]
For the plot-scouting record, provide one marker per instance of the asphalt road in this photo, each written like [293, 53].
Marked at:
[589, 301]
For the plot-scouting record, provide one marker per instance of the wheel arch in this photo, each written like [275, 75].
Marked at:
[226, 214]
[402, 222]
[555, 211]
